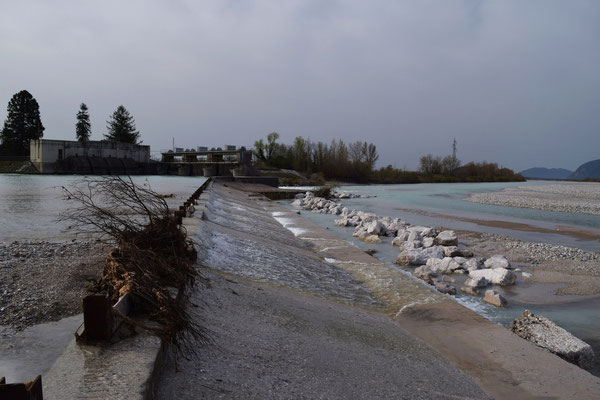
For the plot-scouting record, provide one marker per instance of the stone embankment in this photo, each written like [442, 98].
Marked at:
[435, 254]
[580, 198]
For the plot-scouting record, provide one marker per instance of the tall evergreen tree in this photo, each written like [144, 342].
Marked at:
[121, 127]
[22, 124]
[83, 128]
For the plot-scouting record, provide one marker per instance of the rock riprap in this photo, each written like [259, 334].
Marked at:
[494, 298]
[433, 252]
[546, 334]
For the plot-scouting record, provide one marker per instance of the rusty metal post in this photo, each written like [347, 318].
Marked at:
[97, 317]
[21, 391]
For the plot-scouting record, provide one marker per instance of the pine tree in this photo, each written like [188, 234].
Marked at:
[121, 127]
[22, 124]
[83, 128]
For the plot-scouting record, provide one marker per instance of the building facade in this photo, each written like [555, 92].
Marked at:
[48, 154]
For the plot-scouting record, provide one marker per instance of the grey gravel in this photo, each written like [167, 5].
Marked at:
[44, 281]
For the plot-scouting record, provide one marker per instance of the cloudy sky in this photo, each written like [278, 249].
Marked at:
[515, 82]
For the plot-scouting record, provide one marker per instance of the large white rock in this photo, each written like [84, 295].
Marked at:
[498, 276]
[403, 235]
[497, 261]
[477, 282]
[427, 242]
[417, 228]
[460, 260]
[360, 231]
[447, 265]
[413, 235]
[494, 298]
[547, 334]
[429, 232]
[447, 238]
[473, 264]
[419, 256]
[342, 222]
[412, 244]
[375, 228]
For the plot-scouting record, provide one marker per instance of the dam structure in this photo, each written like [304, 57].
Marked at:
[103, 157]
[229, 161]
[299, 312]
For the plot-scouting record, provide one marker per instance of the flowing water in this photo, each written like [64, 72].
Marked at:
[30, 204]
[29, 207]
[246, 240]
[444, 205]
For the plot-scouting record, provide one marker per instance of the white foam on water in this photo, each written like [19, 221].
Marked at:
[414, 303]
[278, 213]
[331, 248]
[288, 224]
[297, 231]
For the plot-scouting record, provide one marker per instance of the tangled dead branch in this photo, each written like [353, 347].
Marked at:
[153, 260]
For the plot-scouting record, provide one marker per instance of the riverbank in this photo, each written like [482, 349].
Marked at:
[581, 198]
[44, 281]
[238, 236]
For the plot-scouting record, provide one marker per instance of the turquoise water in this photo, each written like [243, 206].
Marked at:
[30, 204]
[448, 199]
[579, 315]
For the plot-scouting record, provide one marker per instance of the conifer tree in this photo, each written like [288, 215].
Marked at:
[121, 127]
[83, 128]
[22, 124]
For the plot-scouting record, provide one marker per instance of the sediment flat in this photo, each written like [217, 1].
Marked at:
[564, 197]
[281, 331]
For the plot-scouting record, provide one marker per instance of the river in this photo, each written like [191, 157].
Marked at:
[30, 204]
[445, 205]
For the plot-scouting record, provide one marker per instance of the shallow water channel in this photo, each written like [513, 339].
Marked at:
[580, 315]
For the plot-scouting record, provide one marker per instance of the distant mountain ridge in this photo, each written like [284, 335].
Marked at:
[588, 170]
[547, 173]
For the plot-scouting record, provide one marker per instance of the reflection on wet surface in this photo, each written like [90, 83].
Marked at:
[26, 354]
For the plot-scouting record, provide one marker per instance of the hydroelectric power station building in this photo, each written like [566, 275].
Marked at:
[92, 157]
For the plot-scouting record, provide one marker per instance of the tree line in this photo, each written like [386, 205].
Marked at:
[23, 123]
[355, 162]
[335, 160]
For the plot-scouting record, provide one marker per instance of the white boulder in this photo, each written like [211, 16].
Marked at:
[497, 261]
[427, 242]
[498, 276]
[546, 334]
[447, 238]
[494, 298]
[419, 256]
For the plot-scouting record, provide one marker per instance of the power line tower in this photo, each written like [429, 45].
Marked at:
[454, 150]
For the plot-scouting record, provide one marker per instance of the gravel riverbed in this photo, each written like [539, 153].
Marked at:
[43, 281]
[576, 270]
[581, 198]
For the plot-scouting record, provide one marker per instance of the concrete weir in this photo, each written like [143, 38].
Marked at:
[295, 311]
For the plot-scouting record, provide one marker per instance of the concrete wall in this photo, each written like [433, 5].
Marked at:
[44, 153]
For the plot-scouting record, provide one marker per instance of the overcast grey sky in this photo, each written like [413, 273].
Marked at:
[515, 82]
